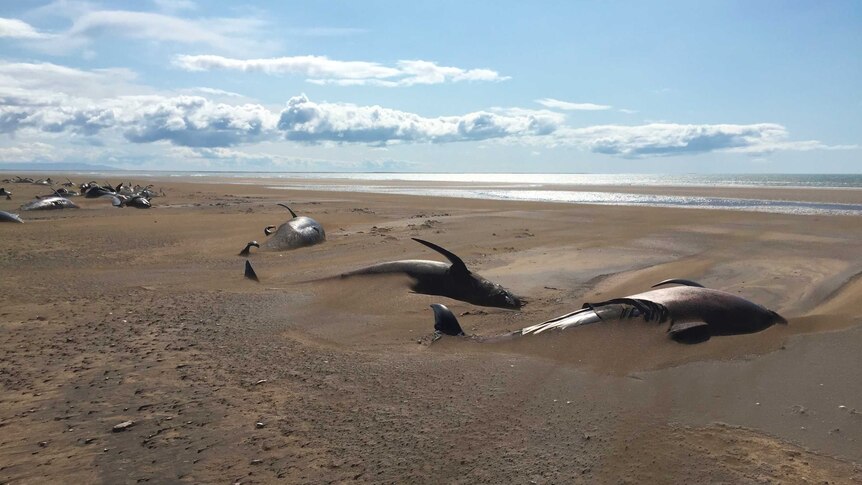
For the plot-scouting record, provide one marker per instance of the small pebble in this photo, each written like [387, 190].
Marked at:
[122, 426]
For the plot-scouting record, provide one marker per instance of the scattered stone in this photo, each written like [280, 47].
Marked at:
[43, 444]
[89, 440]
[260, 382]
[256, 461]
[842, 407]
[259, 424]
[122, 426]
[40, 318]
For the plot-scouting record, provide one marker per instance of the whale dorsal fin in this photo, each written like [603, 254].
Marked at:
[457, 264]
[249, 271]
[445, 321]
[677, 281]
[289, 209]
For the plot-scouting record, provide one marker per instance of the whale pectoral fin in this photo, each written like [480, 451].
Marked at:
[677, 281]
[689, 332]
[249, 272]
[458, 266]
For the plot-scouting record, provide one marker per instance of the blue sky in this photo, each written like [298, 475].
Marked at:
[562, 86]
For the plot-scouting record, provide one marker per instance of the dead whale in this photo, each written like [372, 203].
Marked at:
[298, 232]
[693, 313]
[49, 203]
[453, 280]
[8, 217]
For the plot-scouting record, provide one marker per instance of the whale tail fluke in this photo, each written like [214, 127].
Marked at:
[249, 272]
[445, 321]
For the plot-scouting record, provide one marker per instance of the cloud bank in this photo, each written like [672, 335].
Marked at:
[30, 104]
[665, 139]
[307, 121]
[322, 70]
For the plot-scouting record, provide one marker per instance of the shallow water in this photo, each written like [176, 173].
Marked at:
[599, 198]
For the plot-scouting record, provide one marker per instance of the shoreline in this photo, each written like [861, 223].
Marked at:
[770, 199]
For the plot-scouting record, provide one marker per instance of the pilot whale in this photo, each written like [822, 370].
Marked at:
[452, 280]
[692, 313]
[298, 232]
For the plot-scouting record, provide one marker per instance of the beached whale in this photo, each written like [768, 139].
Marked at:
[8, 217]
[136, 201]
[49, 203]
[451, 280]
[693, 313]
[298, 232]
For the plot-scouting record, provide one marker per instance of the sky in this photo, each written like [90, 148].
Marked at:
[438, 86]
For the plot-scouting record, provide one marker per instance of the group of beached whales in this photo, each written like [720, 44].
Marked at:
[122, 195]
[691, 312]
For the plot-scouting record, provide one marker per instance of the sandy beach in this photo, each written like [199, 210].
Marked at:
[111, 315]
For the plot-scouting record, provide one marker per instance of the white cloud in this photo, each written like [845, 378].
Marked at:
[197, 122]
[322, 70]
[18, 29]
[216, 92]
[49, 79]
[35, 101]
[307, 121]
[312, 66]
[662, 139]
[149, 26]
[567, 106]
[27, 152]
[628, 111]
[234, 35]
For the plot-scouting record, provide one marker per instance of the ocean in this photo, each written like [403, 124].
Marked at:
[554, 187]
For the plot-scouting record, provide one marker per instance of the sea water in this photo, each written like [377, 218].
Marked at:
[556, 187]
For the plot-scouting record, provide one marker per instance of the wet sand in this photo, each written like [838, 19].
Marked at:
[111, 315]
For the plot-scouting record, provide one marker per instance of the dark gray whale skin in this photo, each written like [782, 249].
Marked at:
[693, 313]
[450, 280]
[49, 203]
[298, 232]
